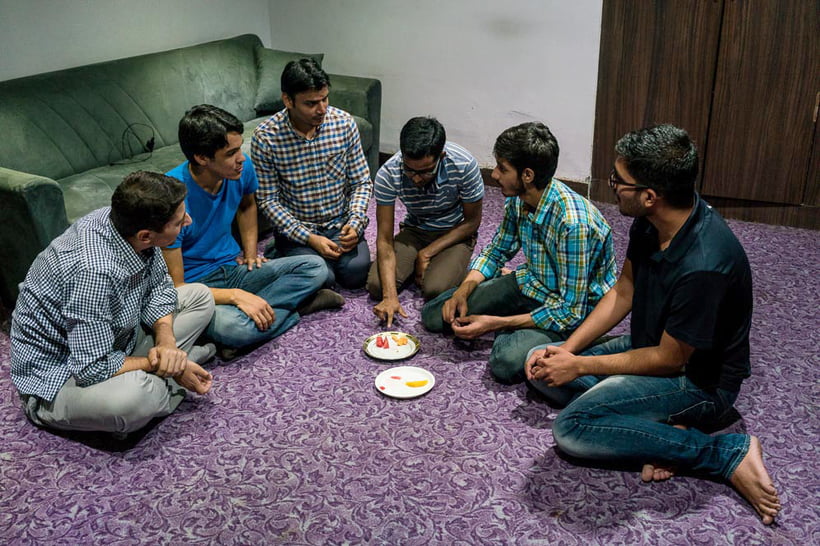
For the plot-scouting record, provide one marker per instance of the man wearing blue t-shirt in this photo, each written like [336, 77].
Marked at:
[256, 299]
[440, 185]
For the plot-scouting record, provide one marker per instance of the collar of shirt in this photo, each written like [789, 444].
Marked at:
[541, 214]
[296, 133]
[132, 261]
[686, 235]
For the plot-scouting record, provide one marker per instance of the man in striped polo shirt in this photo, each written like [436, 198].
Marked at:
[440, 185]
[570, 260]
[314, 183]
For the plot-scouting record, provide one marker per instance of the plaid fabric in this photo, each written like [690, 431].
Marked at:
[570, 256]
[437, 206]
[307, 186]
[82, 301]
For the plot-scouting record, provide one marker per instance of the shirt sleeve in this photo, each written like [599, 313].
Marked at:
[472, 186]
[504, 245]
[268, 191]
[90, 329]
[385, 186]
[358, 176]
[161, 297]
[573, 267]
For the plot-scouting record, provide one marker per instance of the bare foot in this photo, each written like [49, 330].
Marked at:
[656, 472]
[652, 473]
[752, 481]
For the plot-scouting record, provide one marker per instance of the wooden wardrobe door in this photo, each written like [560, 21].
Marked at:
[761, 128]
[657, 65]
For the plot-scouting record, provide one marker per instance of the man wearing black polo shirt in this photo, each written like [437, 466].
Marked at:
[687, 282]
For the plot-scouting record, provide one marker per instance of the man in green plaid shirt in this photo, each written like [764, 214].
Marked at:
[567, 244]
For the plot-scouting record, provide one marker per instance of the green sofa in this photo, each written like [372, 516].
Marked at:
[72, 135]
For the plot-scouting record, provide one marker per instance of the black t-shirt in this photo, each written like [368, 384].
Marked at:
[699, 290]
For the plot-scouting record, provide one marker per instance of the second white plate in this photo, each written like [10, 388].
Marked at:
[405, 382]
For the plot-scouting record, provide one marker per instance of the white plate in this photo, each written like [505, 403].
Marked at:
[394, 382]
[394, 351]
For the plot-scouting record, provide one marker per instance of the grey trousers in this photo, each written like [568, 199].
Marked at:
[127, 402]
[446, 270]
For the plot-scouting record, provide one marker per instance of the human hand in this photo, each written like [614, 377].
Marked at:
[259, 311]
[325, 247]
[386, 308]
[167, 361]
[528, 366]
[473, 326]
[251, 261]
[422, 261]
[557, 367]
[348, 238]
[195, 378]
[454, 307]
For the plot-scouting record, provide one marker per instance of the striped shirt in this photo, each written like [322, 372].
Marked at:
[570, 259]
[82, 301]
[438, 205]
[306, 186]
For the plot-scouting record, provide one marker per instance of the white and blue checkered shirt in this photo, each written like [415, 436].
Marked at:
[306, 186]
[439, 204]
[82, 301]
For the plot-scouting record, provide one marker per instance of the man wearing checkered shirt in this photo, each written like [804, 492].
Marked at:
[314, 183]
[100, 339]
[570, 260]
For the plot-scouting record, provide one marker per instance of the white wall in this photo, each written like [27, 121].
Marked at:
[43, 35]
[478, 66]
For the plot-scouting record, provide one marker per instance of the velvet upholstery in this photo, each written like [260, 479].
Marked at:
[72, 135]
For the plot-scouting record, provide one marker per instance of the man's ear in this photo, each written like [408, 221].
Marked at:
[201, 160]
[145, 236]
[287, 100]
[527, 175]
[650, 197]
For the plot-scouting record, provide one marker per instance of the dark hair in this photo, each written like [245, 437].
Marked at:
[422, 137]
[145, 200]
[663, 158]
[204, 129]
[529, 145]
[303, 75]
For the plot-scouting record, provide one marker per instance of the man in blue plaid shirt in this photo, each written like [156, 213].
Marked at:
[314, 183]
[570, 260]
[100, 339]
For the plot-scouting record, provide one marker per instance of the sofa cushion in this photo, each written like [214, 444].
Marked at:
[269, 66]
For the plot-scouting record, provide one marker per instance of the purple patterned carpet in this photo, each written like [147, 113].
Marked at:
[294, 445]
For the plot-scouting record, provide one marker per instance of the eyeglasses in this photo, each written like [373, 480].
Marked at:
[615, 180]
[426, 173]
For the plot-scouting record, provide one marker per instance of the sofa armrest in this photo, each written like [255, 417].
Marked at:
[361, 97]
[33, 213]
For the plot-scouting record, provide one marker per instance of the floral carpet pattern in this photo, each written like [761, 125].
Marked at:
[295, 445]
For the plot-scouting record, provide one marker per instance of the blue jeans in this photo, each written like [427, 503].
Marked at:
[284, 283]
[350, 270]
[629, 418]
[501, 297]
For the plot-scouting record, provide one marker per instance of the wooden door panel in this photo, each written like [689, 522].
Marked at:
[657, 65]
[761, 127]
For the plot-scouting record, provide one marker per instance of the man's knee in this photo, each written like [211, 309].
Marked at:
[431, 313]
[195, 298]
[434, 287]
[374, 285]
[566, 431]
[506, 366]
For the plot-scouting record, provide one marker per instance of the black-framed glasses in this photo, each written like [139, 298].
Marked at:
[615, 180]
[426, 173]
